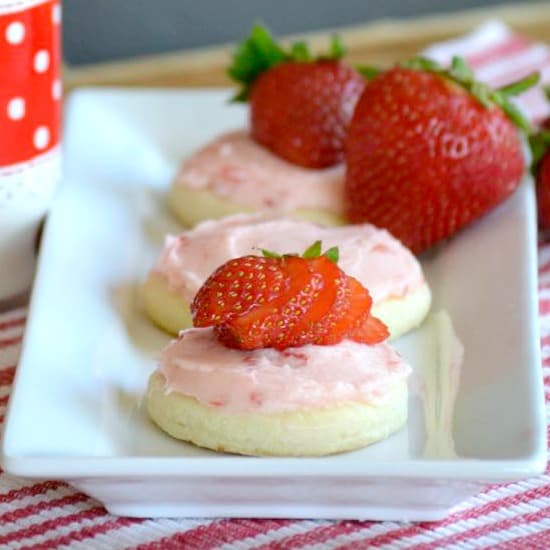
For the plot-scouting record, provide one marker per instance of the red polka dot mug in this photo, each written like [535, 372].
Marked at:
[30, 127]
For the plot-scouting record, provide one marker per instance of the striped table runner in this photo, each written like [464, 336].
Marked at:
[51, 514]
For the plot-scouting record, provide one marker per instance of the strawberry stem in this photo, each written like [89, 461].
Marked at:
[260, 52]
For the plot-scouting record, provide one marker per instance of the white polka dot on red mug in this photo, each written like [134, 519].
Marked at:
[41, 61]
[15, 33]
[16, 108]
[57, 89]
[41, 137]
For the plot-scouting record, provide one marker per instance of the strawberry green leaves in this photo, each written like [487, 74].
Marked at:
[337, 48]
[313, 251]
[520, 86]
[368, 71]
[501, 97]
[260, 51]
[460, 73]
[256, 54]
[333, 254]
[460, 70]
[299, 51]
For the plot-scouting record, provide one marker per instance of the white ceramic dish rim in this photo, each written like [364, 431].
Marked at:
[475, 470]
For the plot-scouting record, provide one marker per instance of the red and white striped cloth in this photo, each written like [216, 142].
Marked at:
[51, 514]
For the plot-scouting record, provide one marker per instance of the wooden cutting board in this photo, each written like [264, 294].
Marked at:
[380, 42]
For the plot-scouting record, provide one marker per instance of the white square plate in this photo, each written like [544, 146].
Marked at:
[76, 414]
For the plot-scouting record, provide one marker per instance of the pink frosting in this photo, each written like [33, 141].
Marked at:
[236, 168]
[379, 261]
[267, 380]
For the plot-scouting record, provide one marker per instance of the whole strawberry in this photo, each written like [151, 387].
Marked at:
[300, 107]
[286, 301]
[431, 150]
[540, 147]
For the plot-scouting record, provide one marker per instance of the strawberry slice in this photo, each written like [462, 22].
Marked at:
[306, 327]
[312, 301]
[236, 287]
[370, 331]
[352, 303]
[268, 324]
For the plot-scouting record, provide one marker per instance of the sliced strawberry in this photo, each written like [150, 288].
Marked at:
[331, 275]
[237, 286]
[370, 331]
[353, 301]
[312, 302]
[271, 323]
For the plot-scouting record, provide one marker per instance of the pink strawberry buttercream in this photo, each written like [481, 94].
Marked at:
[236, 168]
[380, 262]
[267, 380]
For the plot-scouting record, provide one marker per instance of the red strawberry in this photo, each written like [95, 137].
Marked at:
[301, 111]
[316, 307]
[540, 146]
[274, 324]
[300, 107]
[369, 328]
[425, 156]
[543, 192]
[235, 287]
[351, 312]
[313, 302]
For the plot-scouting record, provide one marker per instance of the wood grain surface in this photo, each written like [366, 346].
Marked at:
[380, 42]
